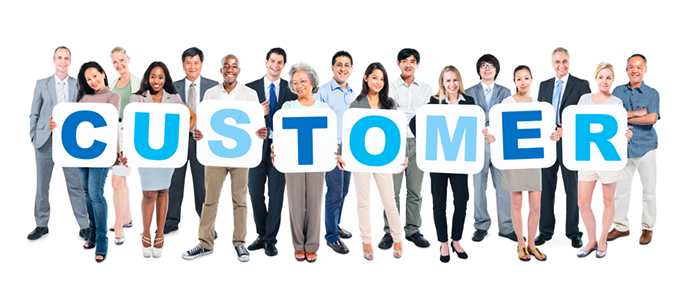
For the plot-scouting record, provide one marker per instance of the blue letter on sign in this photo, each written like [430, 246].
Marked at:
[170, 136]
[466, 127]
[70, 142]
[305, 140]
[511, 135]
[392, 141]
[241, 137]
[584, 137]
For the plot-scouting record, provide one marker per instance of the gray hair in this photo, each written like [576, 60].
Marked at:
[560, 49]
[223, 60]
[309, 70]
[118, 49]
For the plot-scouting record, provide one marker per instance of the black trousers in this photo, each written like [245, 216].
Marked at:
[460, 190]
[549, 187]
[267, 219]
[177, 185]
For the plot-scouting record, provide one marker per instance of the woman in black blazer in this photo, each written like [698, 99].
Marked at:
[451, 92]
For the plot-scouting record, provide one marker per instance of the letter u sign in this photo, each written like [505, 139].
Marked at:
[156, 134]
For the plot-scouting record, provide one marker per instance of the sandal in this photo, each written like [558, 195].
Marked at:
[104, 256]
[541, 256]
[367, 255]
[525, 253]
[157, 252]
[299, 255]
[311, 256]
[147, 251]
[88, 245]
[397, 253]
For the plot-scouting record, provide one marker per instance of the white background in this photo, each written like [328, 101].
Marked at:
[445, 32]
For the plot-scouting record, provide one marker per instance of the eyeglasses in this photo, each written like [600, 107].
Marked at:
[487, 66]
[303, 81]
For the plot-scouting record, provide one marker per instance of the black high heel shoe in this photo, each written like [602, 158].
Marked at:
[462, 255]
[445, 258]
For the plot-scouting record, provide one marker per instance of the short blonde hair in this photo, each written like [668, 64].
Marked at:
[604, 65]
[119, 49]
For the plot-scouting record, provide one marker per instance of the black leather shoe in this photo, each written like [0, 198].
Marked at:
[445, 258]
[37, 233]
[168, 229]
[386, 242]
[511, 236]
[479, 235]
[576, 242]
[339, 247]
[418, 239]
[270, 249]
[344, 234]
[540, 239]
[255, 245]
[462, 255]
[84, 233]
[216, 235]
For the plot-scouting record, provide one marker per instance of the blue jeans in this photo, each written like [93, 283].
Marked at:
[93, 181]
[337, 184]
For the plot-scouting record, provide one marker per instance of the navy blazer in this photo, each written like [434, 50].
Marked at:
[205, 85]
[575, 88]
[284, 96]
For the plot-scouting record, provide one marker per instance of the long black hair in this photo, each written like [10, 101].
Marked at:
[384, 101]
[83, 87]
[146, 86]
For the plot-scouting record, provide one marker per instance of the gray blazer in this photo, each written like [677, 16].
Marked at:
[477, 92]
[206, 84]
[44, 100]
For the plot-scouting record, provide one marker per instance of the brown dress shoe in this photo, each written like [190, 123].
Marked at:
[645, 238]
[616, 234]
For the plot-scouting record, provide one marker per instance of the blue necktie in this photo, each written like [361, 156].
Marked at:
[556, 101]
[488, 98]
[273, 103]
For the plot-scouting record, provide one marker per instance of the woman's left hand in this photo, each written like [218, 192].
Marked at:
[628, 133]
[123, 159]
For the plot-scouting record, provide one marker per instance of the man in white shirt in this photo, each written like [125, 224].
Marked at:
[409, 94]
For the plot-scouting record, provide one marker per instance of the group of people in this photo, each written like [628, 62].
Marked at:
[162, 188]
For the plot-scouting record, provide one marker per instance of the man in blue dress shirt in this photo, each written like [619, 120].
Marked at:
[642, 105]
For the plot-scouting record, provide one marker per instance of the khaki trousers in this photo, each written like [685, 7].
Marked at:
[646, 166]
[385, 184]
[214, 180]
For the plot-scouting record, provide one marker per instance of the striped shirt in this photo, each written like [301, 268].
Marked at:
[644, 138]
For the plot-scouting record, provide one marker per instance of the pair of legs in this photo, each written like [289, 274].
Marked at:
[482, 220]
[585, 196]
[386, 193]
[305, 194]
[460, 190]
[414, 183]
[93, 182]
[157, 200]
[122, 208]
[533, 218]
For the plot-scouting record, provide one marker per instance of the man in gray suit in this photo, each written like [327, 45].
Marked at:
[48, 92]
[487, 94]
[191, 90]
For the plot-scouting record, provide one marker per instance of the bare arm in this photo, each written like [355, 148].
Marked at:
[648, 119]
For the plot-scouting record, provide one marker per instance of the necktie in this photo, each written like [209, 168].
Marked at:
[273, 103]
[192, 100]
[62, 92]
[556, 100]
[488, 98]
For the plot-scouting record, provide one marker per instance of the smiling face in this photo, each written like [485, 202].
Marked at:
[274, 65]
[156, 79]
[301, 84]
[450, 83]
[408, 66]
[487, 71]
[120, 62]
[230, 70]
[636, 70]
[523, 80]
[62, 60]
[604, 79]
[560, 62]
[375, 81]
[95, 79]
[342, 68]
[192, 67]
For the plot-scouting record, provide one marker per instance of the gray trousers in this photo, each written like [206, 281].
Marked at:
[481, 215]
[305, 196]
[414, 183]
[44, 170]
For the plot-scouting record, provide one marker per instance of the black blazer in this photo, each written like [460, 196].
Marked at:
[205, 85]
[433, 100]
[575, 88]
[284, 96]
